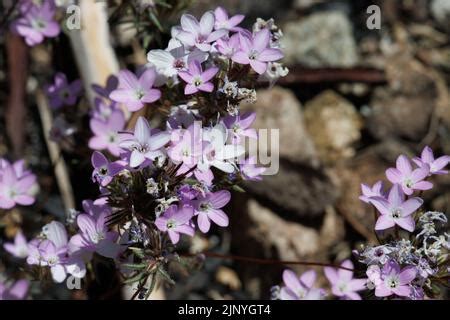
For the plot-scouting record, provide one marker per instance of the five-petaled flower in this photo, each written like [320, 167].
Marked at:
[62, 93]
[300, 288]
[199, 34]
[197, 79]
[342, 282]
[408, 178]
[255, 50]
[175, 221]
[144, 145]
[391, 279]
[135, 92]
[436, 165]
[208, 208]
[395, 210]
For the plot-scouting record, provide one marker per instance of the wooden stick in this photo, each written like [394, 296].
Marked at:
[59, 164]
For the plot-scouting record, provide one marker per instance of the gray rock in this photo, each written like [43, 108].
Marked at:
[278, 108]
[334, 125]
[323, 39]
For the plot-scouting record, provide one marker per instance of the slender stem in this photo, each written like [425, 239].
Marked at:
[265, 261]
[375, 217]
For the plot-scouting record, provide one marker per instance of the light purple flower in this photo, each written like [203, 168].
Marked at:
[144, 145]
[256, 51]
[107, 135]
[104, 170]
[239, 126]
[189, 148]
[94, 236]
[436, 165]
[224, 22]
[342, 282]
[17, 291]
[16, 189]
[134, 92]
[408, 178]
[36, 23]
[197, 79]
[368, 192]
[199, 34]
[53, 252]
[228, 47]
[62, 93]
[300, 288]
[175, 221]
[250, 171]
[391, 280]
[395, 210]
[170, 62]
[217, 153]
[208, 208]
[19, 248]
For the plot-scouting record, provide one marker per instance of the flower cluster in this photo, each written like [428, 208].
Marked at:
[343, 284]
[54, 250]
[163, 181]
[407, 267]
[401, 266]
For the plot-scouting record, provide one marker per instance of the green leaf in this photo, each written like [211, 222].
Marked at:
[134, 279]
[135, 266]
[238, 189]
[166, 275]
[156, 21]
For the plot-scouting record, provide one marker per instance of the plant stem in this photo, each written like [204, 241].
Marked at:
[265, 261]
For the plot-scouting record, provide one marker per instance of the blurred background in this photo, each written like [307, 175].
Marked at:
[355, 98]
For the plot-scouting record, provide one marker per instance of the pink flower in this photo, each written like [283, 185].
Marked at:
[134, 92]
[436, 165]
[197, 79]
[342, 283]
[300, 288]
[143, 145]
[94, 236]
[104, 171]
[14, 188]
[208, 208]
[395, 210]
[61, 93]
[391, 280]
[107, 133]
[369, 192]
[224, 22]
[17, 291]
[36, 23]
[199, 34]
[19, 248]
[228, 47]
[250, 171]
[239, 126]
[189, 149]
[408, 178]
[176, 221]
[255, 51]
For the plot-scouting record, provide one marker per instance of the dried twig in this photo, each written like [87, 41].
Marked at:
[59, 164]
[301, 75]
